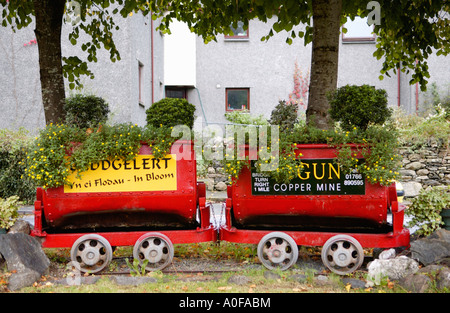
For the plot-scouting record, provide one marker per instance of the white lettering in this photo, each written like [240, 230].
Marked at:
[246, 303]
[192, 303]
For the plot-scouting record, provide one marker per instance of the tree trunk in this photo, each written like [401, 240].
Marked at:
[324, 60]
[49, 18]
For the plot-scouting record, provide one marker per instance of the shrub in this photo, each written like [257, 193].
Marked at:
[440, 99]
[59, 150]
[171, 112]
[13, 150]
[419, 131]
[8, 211]
[85, 111]
[425, 209]
[245, 118]
[284, 115]
[359, 106]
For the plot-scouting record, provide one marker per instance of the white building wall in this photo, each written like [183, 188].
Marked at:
[117, 83]
[180, 56]
[266, 68]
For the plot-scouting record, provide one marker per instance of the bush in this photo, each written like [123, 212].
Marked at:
[284, 115]
[245, 118]
[426, 208]
[85, 111]
[359, 106]
[420, 131]
[13, 151]
[170, 112]
[440, 99]
[8, 211]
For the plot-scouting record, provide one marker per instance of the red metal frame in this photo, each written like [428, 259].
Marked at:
[52, 204]
[399, 237]
[206, 232]
[181, 202]
[373, 205]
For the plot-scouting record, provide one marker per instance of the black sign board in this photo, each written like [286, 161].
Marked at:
[318, 177]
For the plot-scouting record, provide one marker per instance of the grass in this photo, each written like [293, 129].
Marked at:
[242, 255]
[191, 283]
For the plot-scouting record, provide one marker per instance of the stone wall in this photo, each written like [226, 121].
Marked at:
[215, 178]
[425, 166]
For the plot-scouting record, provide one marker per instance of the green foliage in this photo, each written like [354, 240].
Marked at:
[13, 150]
[8, 211]
[46, 163]
[419, 131]
[245, 118]
[425, 209]
[160, 139]
[171, 112]
[60, 149]
[284, 115]
[378, 150]
[401, 34]
[407, 34]
[86, 111]
[359, 106]
[288, 166]
[137, 269]
[73, 69]
[372, 152]
[440, 99]
[96, 19]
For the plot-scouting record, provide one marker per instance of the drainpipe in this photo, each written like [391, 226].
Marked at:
[417, 96]
[398, 87]
[152, 57]
[201, 105]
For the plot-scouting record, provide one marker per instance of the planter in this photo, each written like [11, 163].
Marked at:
[144, 192]
[445, 214]
[320, 197]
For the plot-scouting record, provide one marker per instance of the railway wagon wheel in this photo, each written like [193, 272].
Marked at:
[156, 248]
[342, 254]
[277, 250]
[92, 252]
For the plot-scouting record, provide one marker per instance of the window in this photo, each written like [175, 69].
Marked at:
[237, 99]
[176, 92]
[358, 31]
[239, 32]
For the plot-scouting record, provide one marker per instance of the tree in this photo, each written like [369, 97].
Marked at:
[407, 33]
[93, 17]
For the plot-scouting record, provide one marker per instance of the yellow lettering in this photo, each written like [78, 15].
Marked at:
[338, 172]
[315, 170]
[307, 173]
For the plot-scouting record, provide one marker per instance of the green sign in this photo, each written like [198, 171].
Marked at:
[318, 177]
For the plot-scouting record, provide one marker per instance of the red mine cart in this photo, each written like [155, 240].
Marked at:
[147, 202]
[321, 207]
